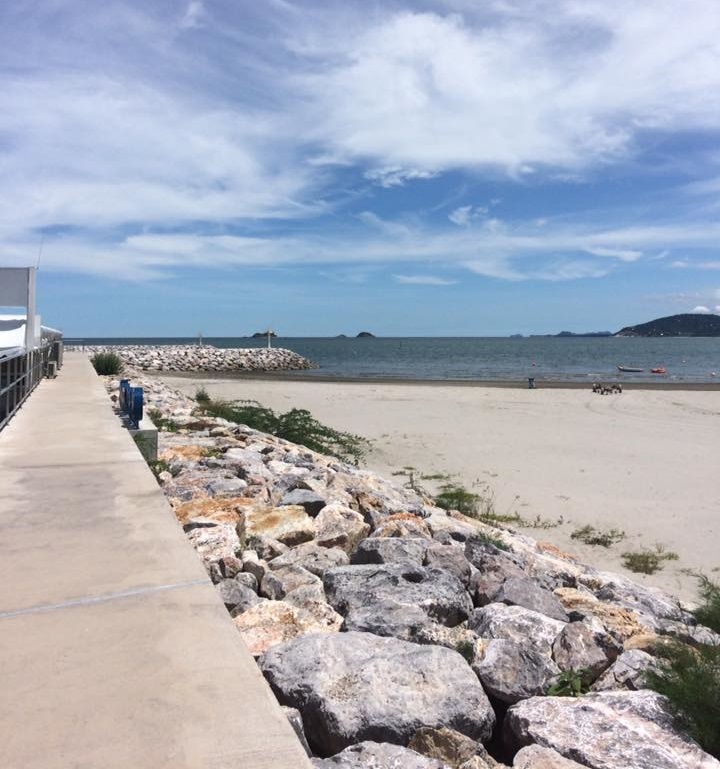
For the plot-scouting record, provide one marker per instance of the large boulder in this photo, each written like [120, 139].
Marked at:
[511, 672]
[627, 672]
[339, 526]
[398, 551]
[270, 623]
[452, 748]
[576, 648]
[278, 583]
[290, 524]
[375, 755]
[437, 592]
[311, 556]
[537, 757]
[312, 503]
[450, 558]
[607, 730]
[352, 687]
[521, 591]
[514, 623]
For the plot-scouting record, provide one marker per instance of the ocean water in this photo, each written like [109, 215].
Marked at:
[690, 360]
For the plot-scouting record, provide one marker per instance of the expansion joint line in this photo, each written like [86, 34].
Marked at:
[91, 600]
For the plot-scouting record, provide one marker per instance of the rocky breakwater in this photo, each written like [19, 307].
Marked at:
[396, 634]
[187, 357]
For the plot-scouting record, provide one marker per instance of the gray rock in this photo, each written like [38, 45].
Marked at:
[647, 600]
[230, 566]
[575, 648]
[199, 523]
[397, 551]
[387, 619]
[312, 502]
[607, 730]
[339, 526]
[313, 557]
[521, 591]
[248, 580]
[511, 672]
[627, 672]
[438, 593]
[266, 547]
[374, 755]
[517, 624]
[254, 565]
[236, 597]
[492, 570]
[277, 584]
[352, 687]
[536, 757]
[226, 487]
[451, 558]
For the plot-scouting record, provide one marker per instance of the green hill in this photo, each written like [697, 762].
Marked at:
[687, 324]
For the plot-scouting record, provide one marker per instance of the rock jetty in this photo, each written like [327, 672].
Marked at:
[396, 634]
[186, 357]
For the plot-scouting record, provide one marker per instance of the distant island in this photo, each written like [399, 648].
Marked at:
[573, 334]
[261, 334]
[364, 334]
[686, 324]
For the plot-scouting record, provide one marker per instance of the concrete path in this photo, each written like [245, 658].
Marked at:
[115, 650]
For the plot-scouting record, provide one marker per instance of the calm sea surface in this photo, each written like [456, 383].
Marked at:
[489, 358]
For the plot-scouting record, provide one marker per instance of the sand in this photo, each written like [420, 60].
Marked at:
[645, 462]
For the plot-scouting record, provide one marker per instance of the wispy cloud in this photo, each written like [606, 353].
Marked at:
[423, 280]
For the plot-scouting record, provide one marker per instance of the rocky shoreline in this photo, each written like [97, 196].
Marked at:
[189, 358]
[397, 634]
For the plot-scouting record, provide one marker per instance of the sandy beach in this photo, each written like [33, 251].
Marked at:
[644, 462]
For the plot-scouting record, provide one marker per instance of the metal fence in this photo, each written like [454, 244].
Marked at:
[20, 372]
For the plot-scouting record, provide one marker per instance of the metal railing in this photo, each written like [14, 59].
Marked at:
[20, 372]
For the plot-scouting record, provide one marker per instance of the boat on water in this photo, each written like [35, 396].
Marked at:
[631, 369]
[658, 370]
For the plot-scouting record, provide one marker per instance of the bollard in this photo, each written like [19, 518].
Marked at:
[531, 383]
[135, 406]
[123, 399]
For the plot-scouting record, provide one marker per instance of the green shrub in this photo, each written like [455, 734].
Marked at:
[107, 363]
[690, 679]
[297, 426]
[201, 396]
[571, 683]
[648, 561]
[591, 536]
[454, 497]
[708, 613]
[164, 424]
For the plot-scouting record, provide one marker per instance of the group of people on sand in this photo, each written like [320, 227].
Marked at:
[604, 389]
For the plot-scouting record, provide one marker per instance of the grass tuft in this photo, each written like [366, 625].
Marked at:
[591, 536]
[297, 426]
[107, 363]
[648, 561]
[708, 613]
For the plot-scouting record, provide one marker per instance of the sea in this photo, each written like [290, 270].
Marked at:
[560, 359]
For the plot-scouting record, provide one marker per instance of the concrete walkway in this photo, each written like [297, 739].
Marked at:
[115, 650]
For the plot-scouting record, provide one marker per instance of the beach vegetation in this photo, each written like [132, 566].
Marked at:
[571, 683]
[297, 426]
[592, 536]
[453, 496]
[648, 561]
[201, 395]
[466, 649]
[690, 679]
[708, 613]
[107, 363]
[163, 423]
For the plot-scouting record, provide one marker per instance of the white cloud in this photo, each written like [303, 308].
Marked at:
[700, 309]
[464, 215]
[396, 176]
[423, 280]
[625, 255]
[193, 15]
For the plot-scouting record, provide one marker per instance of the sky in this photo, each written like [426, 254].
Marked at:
[420, 168]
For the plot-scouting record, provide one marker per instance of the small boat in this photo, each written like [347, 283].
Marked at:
[631, 369]
[658, 370]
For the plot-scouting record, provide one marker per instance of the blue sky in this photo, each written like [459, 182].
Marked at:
[431, 168]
